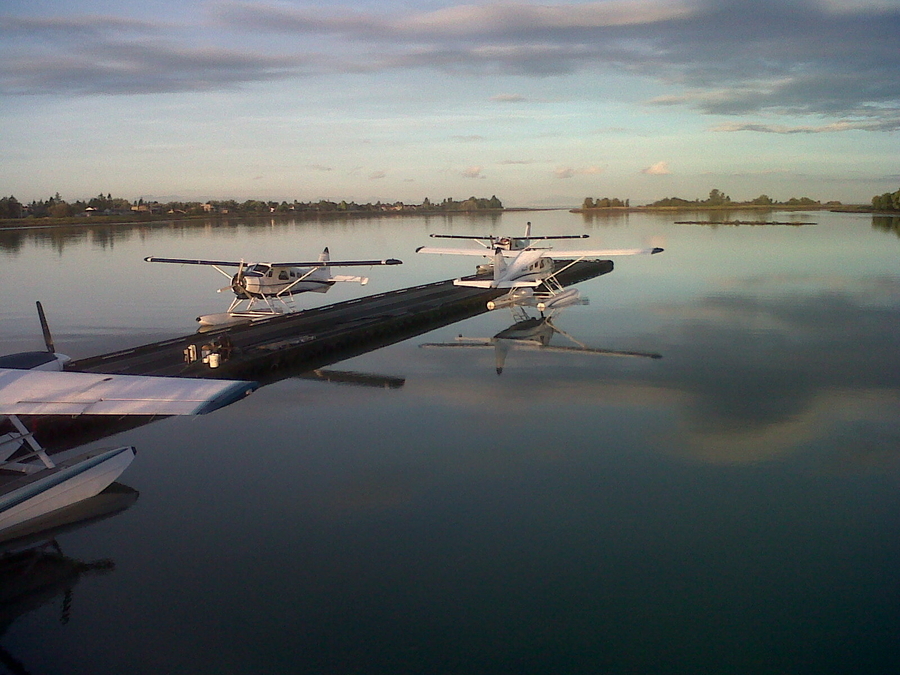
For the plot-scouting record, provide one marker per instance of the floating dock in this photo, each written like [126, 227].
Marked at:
[276, 347]
[287, 345]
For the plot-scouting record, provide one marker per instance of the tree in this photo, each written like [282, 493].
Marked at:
[10, 207]
[60, 209]
[717, 198]
[889, 201]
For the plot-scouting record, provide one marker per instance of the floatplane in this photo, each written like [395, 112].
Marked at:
[529, 272]
[265, 289]
[36, 384]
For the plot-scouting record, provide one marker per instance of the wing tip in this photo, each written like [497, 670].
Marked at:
[238, 390]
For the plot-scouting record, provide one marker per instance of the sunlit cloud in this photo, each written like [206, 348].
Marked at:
[836, 127]
[508, 98]
[472, 172]
[658, 169]
[570, 172]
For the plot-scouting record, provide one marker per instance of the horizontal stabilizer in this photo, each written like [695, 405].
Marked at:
[344, 277]
[474, 283]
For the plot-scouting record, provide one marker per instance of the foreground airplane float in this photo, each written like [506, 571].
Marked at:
[264, 289]
[529, 271]
[35, 384]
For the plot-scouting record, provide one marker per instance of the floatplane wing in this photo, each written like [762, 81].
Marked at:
[36, 392]
[307, 263]
[481, 253]
[546, 252]
[600, 253]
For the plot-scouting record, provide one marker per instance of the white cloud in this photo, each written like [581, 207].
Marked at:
[508, 98]
[571, 172]
[658, 169]
[472, 172]
[835, 127]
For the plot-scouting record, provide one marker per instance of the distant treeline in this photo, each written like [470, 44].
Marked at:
[604, 203]
[719, 198]
[56, 207]
[889, 201]
[716, 198]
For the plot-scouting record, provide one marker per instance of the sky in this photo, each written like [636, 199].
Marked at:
[540, 104]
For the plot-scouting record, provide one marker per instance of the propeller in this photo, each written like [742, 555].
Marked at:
[239, 282]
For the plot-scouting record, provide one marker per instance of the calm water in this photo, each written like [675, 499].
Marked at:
[731, 507]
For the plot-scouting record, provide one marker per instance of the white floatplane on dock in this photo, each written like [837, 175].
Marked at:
[266, 289]
[529, 272]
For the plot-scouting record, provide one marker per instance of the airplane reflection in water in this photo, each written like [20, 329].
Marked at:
[531, 333]
[34, 570]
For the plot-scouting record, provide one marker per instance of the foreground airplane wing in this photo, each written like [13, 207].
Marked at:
[34, 392]
[308, 263]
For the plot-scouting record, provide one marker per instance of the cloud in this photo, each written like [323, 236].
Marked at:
[796, 57]
[377, 175]
[570, 172]
[459, 21]
[508, 98]
[658, 169]
[319, 167]
[472, 172]
[835, 127]
[139, 67]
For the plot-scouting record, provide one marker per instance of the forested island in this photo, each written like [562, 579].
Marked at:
[716, 200]
[106, 206]
[888, 202]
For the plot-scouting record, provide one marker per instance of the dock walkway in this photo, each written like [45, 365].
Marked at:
[313, 338]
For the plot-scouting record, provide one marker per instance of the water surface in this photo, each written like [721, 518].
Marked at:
[730, 507]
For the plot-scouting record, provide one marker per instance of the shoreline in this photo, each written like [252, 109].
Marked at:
[13, 224]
